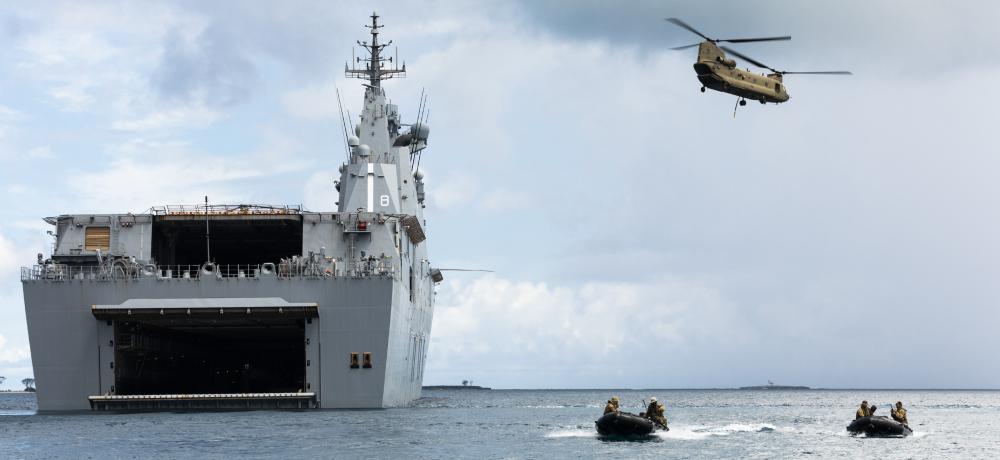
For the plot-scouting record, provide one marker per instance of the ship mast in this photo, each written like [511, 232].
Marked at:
[374, 69]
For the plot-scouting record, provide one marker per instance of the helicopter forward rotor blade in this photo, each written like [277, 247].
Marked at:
[679, 23]
[677, 48]
[761, 39]
[825, 72]
[745, 58]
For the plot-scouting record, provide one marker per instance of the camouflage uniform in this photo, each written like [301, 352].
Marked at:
[612, 406]
[863, 411]
[654, 412]
[899, 414]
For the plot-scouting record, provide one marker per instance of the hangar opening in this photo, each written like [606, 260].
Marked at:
[234, 240]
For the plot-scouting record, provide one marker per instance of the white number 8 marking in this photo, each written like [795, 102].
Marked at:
[384, 200]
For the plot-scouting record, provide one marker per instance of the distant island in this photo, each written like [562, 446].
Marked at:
[466, 385]
[771, 386]
[456, 387]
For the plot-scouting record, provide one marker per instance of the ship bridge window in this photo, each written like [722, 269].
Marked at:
[234, 240]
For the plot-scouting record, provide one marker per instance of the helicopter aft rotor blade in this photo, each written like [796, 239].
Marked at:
[761, 39]
[782, 72]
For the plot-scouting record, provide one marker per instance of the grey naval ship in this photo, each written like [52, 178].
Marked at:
[248, 306]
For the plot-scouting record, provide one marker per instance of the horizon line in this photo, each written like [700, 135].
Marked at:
[759, 387]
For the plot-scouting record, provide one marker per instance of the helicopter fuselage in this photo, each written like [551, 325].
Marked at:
[716, 71]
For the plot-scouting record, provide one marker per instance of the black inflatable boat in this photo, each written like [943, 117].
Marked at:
[878, 425]
[624, 424]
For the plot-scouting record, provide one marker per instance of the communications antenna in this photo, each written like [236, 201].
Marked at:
[375, 69]
[343, 125]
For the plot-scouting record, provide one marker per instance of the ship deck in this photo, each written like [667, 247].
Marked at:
[205, 401]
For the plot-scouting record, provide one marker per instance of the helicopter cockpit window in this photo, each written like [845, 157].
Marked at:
[777, 87]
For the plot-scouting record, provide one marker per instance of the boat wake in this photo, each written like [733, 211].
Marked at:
[573, 433]
[702, 432]
[681, 432]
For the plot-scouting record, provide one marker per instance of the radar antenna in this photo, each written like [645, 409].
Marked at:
[374, 69]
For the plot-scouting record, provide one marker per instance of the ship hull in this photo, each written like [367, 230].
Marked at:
[79, 331]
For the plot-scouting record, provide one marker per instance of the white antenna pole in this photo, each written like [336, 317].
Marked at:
[208, 238]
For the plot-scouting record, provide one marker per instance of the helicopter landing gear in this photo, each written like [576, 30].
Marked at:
[743, 102]
[762, 102]
[703, 89]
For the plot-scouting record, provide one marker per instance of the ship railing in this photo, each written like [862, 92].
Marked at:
[209, 271]
[115, 272]
[369, 267]
[235, 271]
[226, 210]
[62, 272]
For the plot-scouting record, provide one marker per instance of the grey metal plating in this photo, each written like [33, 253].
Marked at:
[356, 283]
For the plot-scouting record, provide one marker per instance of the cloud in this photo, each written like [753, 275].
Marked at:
[912, 39]
[505, 200]
[8, 120]
[20, 242]
[40, 153]
[168, 119]
[319, 193]
[209, 68]
[143, 173]
[75, 59]
[18, 248]
[8, 256]
[8, 114]
[13, 25]
[102, 60]
[532, 334]
[13, 355]
[17, 189]
[455, 190]
[15, 364]
[312, 103]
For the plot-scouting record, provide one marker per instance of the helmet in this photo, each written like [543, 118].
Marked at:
[652, 399]
[899, 403]
[864, 403]
[614, 398]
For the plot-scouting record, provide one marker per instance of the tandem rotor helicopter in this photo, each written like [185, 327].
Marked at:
[716, 71]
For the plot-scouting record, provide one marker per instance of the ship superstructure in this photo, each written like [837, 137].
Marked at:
[247, 306]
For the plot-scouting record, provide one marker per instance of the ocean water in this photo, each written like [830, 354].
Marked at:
[484, 424]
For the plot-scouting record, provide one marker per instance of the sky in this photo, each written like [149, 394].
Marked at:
[639, 234]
